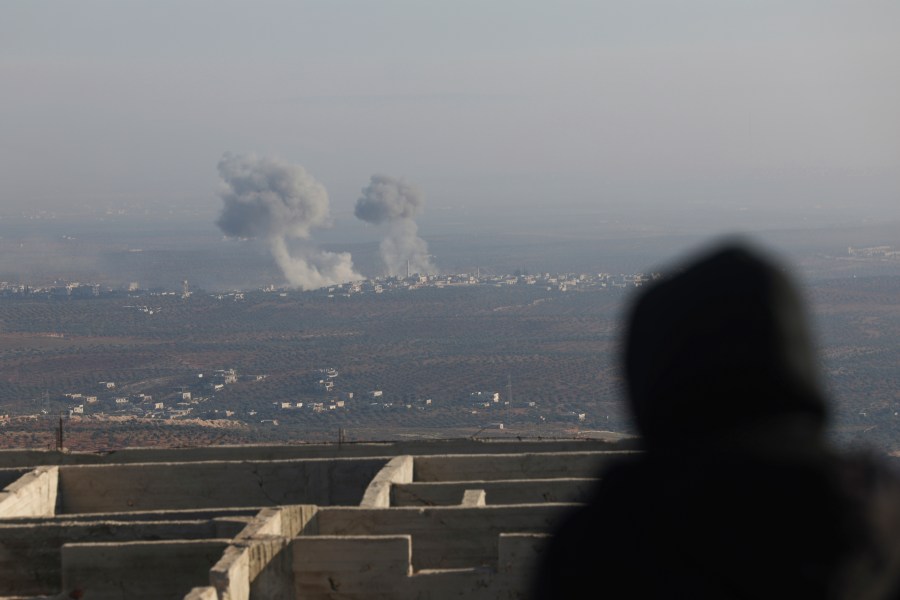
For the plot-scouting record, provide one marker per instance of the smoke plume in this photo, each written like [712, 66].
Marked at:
[395, 202]
[278, 202]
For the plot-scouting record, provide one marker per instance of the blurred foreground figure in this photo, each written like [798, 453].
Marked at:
[737, 494]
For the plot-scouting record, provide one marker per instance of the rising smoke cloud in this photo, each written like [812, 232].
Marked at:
[395, 202]
[275, 201]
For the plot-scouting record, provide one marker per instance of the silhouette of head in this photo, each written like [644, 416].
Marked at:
[720, 345]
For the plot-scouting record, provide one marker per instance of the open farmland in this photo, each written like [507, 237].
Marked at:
[553, 349]
[428, 351]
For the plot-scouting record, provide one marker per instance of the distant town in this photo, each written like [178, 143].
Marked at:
[560, 281]
[192, 398]
[520, 353]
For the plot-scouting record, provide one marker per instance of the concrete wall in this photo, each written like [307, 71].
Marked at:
[138, 570]
[30, 555]
[378, 494]
[257, 564]
[379, 567]
[261, 566]
[357, 567]
[34, 494]
[231, 574]
[491, 467]
[520, 556]
[295, 518]
[149, 515]
[442, 537]
[206, 592]
[514, 491]
[111, 488]
[270, 571]
[31, 458]
[181, 528]
[257, 568]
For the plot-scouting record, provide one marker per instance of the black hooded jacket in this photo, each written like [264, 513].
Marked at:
[736, 494]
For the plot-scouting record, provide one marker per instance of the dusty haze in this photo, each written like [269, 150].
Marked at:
[688, 108]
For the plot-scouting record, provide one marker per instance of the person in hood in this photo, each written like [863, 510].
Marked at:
[736, 492]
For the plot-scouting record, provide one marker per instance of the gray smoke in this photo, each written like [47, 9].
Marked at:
[268, 199]
[393, 201]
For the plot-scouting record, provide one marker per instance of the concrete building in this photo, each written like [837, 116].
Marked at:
[416, 519]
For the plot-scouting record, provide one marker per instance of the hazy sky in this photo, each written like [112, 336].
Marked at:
[479, 103]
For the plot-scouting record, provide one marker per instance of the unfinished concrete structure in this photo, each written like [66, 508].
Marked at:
[395, 520]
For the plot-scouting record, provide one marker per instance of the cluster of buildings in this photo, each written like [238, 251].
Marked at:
[873, 252]
[179, 402]
[562, 282]
[109, 401]
[73, 289]
[329, 398]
